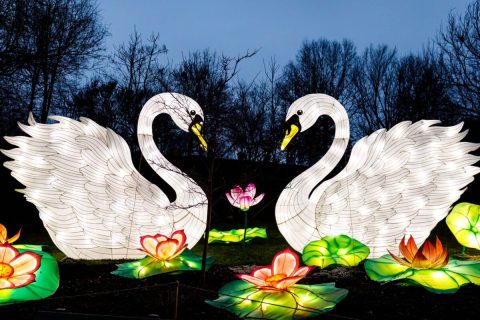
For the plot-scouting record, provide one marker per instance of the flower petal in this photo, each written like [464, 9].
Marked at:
[161, 237]
[261, 273]
[27, 262]
[244, 202]
[287, 282]
[3, 233]
[257, 199]
[256, 281]
[303, 271]
[15, 237]
[180, 236]
[22, 280]
[251, 190]
[409, 250]
[230, 199]
[236, 192]
[400, 260]
[7, 253]
[421, 262]
[149, 245]
[5, 284]
[429, 251]
[285, 262]
[166, 249]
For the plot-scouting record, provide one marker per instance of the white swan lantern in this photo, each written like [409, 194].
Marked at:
[91, 199]
[397, 182]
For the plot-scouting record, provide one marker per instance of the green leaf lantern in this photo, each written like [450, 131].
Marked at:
[464, 222]
[34, 276]
[335, 250]
[430, 268]
[271, 292]
[236, 235]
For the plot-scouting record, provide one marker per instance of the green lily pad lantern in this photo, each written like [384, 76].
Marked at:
[430, 268]
[26, 271]
[164, 254]
[464, 222]
[236, 235]
[335, 250]
[271, 292]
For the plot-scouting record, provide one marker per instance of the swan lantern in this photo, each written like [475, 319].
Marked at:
[397, 182]
[91, 199]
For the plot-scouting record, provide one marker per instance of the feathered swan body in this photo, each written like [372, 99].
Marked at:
[397, 182]
[91, 199]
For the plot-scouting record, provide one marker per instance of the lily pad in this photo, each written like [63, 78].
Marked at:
[46, 279]
[335, 250]
[464, 222]
[236, 235]
[300, 301]
[148, 266]
[443, 280]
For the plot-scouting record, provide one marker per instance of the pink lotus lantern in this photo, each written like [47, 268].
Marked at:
[244, 200]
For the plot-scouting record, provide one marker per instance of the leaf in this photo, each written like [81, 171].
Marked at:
[236, 235]
[148, 266]
[299, 301]
[442, 280]
[335, 250]
[464, 222]
[46, 279]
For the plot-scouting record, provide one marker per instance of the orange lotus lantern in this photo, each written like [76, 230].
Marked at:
[430, 257]
[4, 238]
[429, 267]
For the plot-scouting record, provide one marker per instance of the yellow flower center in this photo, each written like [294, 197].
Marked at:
[6, 270]
[272, 280]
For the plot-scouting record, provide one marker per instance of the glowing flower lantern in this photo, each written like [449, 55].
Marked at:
[236, 235]
[335, 250]
[244, 200]
[464, 222]
[17, 269]
[164, 254]
[272, 292]
[26, 271]
[4, 238]
[429, 267]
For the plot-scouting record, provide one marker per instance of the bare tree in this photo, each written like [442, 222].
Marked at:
[321, 66]
[459, 42]
[374, 89]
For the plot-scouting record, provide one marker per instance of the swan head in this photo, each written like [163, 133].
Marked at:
[304, 112]
[185, 112]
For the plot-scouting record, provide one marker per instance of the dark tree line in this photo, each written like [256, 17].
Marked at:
[46, 45]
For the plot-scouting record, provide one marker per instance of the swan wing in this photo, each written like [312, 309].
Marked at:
[91, 199]
[397, 182]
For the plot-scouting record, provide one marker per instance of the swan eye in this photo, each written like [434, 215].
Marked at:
[300, 112]
[192, 112]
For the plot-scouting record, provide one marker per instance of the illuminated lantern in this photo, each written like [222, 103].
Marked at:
[272, 292]
[3, 235]
[244, 200]
[398, 181]
[165, 254]
[91, 199]
[429, 267]
[464, 222]
[236, 235]
[26, 272]
[338, 250]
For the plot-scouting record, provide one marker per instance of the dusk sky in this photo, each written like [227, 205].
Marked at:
[276, 27]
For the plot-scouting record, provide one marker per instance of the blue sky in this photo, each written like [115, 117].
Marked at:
[276, 27]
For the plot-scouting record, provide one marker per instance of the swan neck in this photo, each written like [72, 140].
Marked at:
[177, 179]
